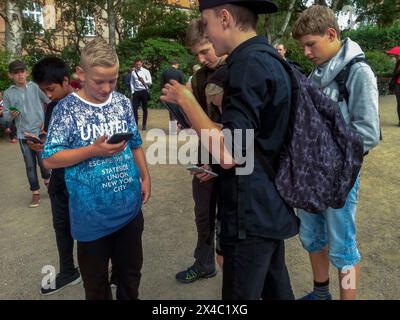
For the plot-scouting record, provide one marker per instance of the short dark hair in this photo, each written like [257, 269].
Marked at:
[244, 18]
[50, 70]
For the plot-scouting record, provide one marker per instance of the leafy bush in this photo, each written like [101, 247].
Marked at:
[157, 54]
[5, 81]
[372, 37]
[381, 63]
[295, 53]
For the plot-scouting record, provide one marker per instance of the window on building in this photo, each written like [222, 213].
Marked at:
[34, 11]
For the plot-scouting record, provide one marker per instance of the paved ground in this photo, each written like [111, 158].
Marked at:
[28, 243]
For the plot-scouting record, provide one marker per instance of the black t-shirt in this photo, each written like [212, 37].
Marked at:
[57, 181]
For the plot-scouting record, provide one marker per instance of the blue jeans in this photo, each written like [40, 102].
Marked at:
[335, 228]
[31, 158]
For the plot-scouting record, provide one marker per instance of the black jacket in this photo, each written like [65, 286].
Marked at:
[257, 96]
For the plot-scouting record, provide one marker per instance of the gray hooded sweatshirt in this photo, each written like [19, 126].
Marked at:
[29, 101]
[362, 111]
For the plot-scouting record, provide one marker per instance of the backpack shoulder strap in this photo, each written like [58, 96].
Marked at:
[343, 76]
[269, 170]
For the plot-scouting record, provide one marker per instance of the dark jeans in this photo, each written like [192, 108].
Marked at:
[31, 158]
[205, 203]
[62, 228]
[125, 247]
[397, 93]
[140, 98]
[255, 268]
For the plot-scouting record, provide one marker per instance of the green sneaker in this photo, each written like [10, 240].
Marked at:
[192, 274]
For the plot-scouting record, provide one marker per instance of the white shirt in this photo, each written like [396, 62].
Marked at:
[136, 84]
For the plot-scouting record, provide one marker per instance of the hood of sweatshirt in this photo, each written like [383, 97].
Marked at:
[324, 74]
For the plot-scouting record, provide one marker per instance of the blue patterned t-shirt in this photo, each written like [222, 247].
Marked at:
[105, 192]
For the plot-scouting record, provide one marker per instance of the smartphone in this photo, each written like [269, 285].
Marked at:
[118, 137]
[13, 109]
[196, 169]
[33, 139]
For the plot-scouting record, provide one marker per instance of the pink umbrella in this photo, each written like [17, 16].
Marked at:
[395, 50]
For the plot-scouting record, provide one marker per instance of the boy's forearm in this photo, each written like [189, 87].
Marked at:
[141, 163]
[67, 158]
[200, 121]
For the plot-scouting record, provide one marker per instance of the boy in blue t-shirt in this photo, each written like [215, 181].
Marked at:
[107, 183]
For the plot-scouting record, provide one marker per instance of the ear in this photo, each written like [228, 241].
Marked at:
[332, 34]
[225, 18]
[65, 81]
[80, 73]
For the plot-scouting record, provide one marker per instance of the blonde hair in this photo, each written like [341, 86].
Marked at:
[98, 53]
[316, 20]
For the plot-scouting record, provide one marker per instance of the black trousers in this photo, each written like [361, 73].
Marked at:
[125, 248]
[397, 93]
[140, 98]
[255, 268]
[62, 228]
[205, 203]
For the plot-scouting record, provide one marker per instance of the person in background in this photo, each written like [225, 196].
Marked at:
[396, 82]
[24, 102]
[280, 47]
[174, 73]
[204, 193]
[140, 86]
[194, 69]
[51, 75]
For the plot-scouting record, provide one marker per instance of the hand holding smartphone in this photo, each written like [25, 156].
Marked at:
[196, 170]
[118, 137]
[32, 137]
[13, 109]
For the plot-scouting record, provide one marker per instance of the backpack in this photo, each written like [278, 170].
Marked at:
[321, 156]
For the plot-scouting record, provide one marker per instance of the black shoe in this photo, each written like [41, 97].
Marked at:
[144, 128]
[61, 282]
[192, 274]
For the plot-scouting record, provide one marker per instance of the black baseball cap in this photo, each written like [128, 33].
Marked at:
[257, 6]
[16, 65]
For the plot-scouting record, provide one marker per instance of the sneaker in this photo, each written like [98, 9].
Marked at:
[313, 296]
[192, 274]
[35, 201]
[62, 282]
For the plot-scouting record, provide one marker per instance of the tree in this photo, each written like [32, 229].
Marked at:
[11, 13]
[111, 22]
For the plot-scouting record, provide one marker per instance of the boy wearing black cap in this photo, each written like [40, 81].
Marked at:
[24, 102]
[254, 219]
